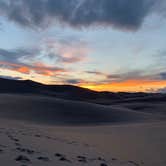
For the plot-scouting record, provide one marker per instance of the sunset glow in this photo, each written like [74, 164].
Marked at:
[129, 86]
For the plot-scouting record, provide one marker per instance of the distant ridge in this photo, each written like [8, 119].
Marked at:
[28, 86]
[8, 85]
[72, 92]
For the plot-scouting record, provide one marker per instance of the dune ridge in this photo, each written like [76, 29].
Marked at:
[50, 110]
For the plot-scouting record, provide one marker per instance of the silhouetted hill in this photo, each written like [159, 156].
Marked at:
[15, 86]
[28, 86]
[75, 93]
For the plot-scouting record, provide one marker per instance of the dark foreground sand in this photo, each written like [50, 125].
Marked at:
[43, 131]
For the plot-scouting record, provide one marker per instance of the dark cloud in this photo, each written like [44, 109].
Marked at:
[73, 81]
[0, 26]
[135, 74]
[138, 74]
[10, 77]
[124, 14]
[163, 75]
[72, 59]
[95, 72]
[160, 90]
[129, 75]
[120, 76]
[15, 55]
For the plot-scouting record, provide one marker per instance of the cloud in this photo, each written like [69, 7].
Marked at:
[108, 76]
[27, 69]
[117, 77]
[123, 14]
[67, 51]
[163, 75]
[16, 55]
[10, 77]
[73, 81]
[43, 59]
[95, 72]
[70, 58]
[128, 75]
[160, 90]
[47, 58]
[47, 70]
[13, 59]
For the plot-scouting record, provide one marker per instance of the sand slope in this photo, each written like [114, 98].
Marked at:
[58, 111]
[36, 130]
[25, 144]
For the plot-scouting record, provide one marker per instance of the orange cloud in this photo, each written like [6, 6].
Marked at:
[23, 69]
[15, 67]
[43, 69]
[38, 68]
[128, 86]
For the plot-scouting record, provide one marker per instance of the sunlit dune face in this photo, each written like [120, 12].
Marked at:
[129, 86]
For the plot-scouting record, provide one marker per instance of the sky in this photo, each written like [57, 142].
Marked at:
[104, 45]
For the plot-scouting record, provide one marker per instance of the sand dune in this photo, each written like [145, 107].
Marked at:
[41, 130]
[157, 108]
[57, 111]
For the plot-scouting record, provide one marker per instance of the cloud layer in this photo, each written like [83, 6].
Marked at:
[49, 58]
[124, 14]
[128, 75]
[17, 60]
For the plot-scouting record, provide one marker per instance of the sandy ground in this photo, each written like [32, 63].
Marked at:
[27, 137]
[26, 144]
[119, 145]
[143, 143]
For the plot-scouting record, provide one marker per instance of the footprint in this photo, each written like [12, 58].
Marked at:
[59, 155]
[100, 159]
[43, 158]
[30, 151]
[37, 135]
[22, 158]
[1, 151]
[82, 159]
[103, 164]
[25, 150]
[17, 144]
[15, 139]
[3, 146]
[64, 159]
[134, 163]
